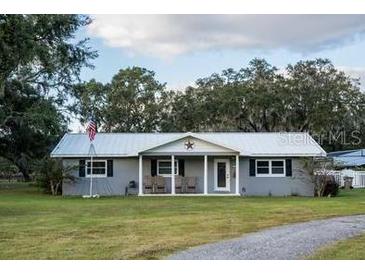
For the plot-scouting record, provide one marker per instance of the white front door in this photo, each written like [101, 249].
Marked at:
[221, 175]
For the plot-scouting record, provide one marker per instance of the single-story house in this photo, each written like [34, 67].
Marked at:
[348, 158]
[212, 163]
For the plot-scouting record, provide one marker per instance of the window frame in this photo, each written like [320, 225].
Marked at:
[167, 175]
[96, 175]
[270, 174]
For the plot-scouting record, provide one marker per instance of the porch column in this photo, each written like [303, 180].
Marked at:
[205, 174]
[140, 176]
[237, 174]
[173, 174]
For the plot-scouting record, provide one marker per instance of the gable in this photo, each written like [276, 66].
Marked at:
[190, 145]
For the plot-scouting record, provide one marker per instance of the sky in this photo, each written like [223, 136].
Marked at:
[183, 48]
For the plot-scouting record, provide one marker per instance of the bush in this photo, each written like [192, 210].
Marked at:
[331, 189]
[8, 170]
[319, 171]
[326, 185]
[50, 173]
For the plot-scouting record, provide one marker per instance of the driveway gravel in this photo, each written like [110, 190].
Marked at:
[285, 242]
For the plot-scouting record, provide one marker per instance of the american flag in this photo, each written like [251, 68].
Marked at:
[91, 130]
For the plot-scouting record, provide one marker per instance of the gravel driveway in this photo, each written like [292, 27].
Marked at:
[284, 242]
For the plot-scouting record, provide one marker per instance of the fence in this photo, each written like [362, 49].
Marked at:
[358, 181]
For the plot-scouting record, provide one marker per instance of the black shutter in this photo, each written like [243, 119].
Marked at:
[252, 167]
[82, 168]
[288, 168]
[110, 168]
[181, 167]
[153, 167]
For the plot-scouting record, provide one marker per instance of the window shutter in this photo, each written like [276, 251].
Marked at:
[181, 167]
[252, 167]
[288, 167]
[153, 167]
[110, 168]
[82, 168]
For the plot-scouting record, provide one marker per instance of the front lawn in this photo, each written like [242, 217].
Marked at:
[37, 226]
[350, 249]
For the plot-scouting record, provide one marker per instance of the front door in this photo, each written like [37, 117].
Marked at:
[221, 175]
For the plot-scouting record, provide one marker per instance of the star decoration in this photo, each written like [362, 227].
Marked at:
[189, 145]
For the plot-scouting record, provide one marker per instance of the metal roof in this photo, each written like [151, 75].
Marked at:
[350, 158]
[247, 144]
[340, 152]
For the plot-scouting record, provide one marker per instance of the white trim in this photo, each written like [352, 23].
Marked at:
[228, 175]
[205, 174]
[140, 175]
[88, 155]
[283, 155]
[96, 175]
[166, 160]
[237, 174]
[270, 168]
[189, 153]
[173, 173]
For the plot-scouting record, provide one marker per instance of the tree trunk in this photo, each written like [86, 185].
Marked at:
[56, 189]
[25, 172]
[52, 187]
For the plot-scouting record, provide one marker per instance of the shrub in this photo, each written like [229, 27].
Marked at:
[8, 170]
[326, 186]
[331, 189]
[318, 172]
[50, 173]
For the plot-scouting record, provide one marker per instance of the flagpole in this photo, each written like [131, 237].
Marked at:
[91, 129]
[91, 172]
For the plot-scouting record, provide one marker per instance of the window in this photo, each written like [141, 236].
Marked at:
[277, 167]
[270, 168]
[263, 167]
[164, 167]
[99, 168]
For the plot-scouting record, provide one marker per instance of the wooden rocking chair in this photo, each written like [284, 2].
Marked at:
[160, 184]
[179, 184]
[191, 184]
[148, 185]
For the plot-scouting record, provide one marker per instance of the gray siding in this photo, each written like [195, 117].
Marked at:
[126, 169]
[298, 184]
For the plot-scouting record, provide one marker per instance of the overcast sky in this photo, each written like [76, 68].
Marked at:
[182, 48]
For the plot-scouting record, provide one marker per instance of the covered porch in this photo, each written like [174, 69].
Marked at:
[189, 165]
[189, 175]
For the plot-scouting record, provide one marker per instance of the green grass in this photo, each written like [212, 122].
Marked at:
[37, 226]
[350, 249]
